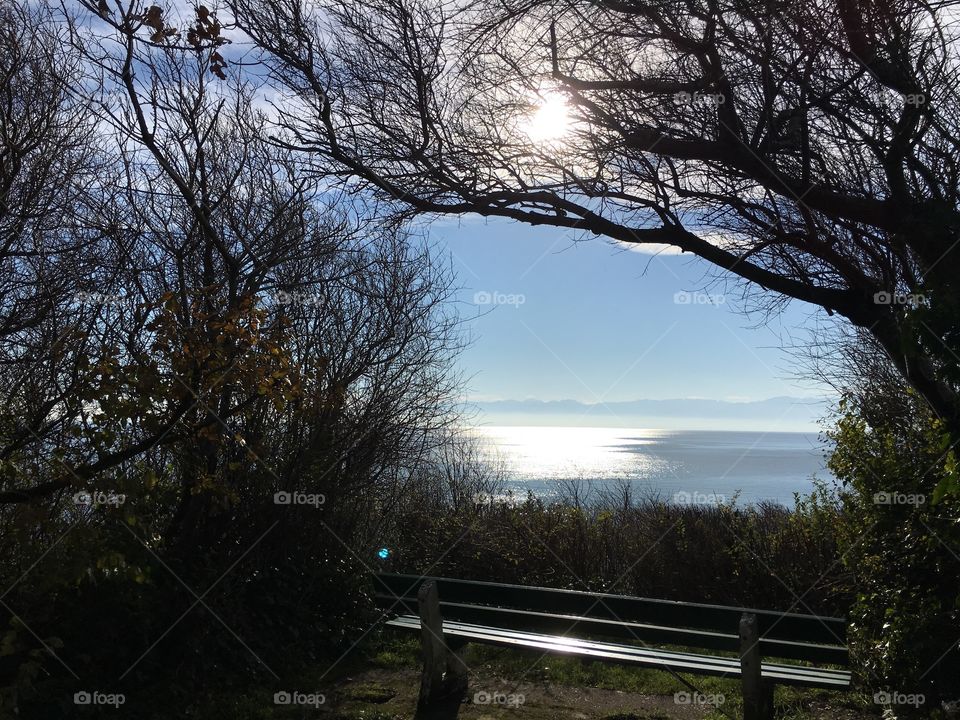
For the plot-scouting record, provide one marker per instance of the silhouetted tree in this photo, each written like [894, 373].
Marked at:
[808, 148]
[226, 331]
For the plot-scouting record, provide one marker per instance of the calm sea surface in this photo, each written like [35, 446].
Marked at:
[677, 465]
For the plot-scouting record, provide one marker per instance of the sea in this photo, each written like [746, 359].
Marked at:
[681, 466]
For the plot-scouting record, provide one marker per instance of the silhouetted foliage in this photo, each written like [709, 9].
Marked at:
[217, 375]
[807, 148]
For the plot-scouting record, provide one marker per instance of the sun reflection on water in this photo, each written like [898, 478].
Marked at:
[552, 453]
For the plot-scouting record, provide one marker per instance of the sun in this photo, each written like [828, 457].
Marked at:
[551, 119]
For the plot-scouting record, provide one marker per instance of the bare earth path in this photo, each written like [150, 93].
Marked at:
[381, 694]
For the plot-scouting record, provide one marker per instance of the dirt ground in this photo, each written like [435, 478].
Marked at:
[388, 694]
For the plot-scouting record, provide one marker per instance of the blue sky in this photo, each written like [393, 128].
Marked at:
[593, 322]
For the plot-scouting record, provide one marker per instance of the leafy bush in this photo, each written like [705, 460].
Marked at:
[902, 547]
[762, 556]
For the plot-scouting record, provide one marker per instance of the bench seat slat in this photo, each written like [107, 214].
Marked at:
[414, 623]
[667, 613]
[561, 624]
[625, 654]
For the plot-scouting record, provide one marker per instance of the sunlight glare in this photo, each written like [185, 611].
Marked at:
[550, 453]
[551, 120]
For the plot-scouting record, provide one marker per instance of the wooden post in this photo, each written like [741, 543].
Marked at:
[456, 679]
[431, 640]
[757, 693]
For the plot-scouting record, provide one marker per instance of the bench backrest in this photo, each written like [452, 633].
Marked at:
[575, 613]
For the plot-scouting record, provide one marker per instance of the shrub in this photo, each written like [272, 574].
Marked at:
[902, 548]
[762, 556]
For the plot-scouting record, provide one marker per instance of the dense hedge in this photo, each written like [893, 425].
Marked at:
[763, 556]
[903, 548]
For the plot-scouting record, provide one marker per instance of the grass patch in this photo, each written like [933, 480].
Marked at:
[397, 653]
[381, 698]
[368, 693]
[529, 666]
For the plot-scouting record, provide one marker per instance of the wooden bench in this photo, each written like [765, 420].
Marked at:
[450, 613]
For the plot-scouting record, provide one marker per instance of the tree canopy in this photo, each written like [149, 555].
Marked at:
[809, 149]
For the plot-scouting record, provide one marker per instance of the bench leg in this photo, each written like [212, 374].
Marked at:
[456, 677]
[766, 699]
[431, 641]
[757, 692]
[758, 704]
[444, 671]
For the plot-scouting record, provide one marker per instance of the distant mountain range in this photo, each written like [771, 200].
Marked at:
[777, 413]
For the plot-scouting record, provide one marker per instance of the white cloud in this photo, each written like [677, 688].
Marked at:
[718, 239]
[650, 248]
